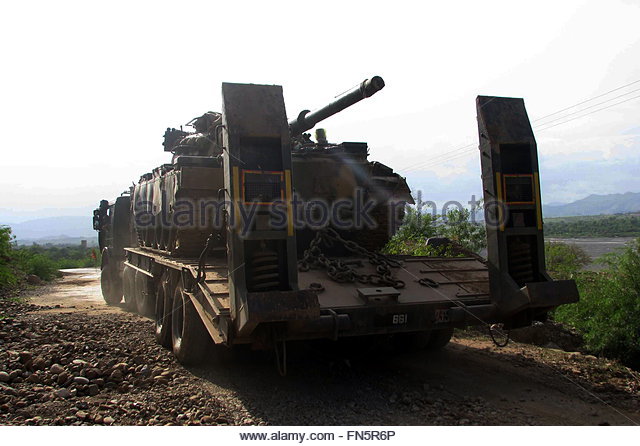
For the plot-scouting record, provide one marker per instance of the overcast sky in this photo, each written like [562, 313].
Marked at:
[87, 88]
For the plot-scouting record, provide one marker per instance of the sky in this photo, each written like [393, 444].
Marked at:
[88, 88]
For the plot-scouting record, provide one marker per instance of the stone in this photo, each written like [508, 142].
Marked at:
[56, 369]
[39, 364]
[93, 389]
[116, 376]
[25, 357]
[93, 373]
[108, 421]
[81, 380]
[63, 393]
[82, 415]
[4, 377]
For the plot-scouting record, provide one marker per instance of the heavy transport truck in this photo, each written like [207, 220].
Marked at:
[256, 234]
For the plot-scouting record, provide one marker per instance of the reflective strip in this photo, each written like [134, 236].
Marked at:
[536, 185]
[499, 187]
[288, 197]
[236, 197]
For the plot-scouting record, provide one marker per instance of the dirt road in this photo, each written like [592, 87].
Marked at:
[67, 358]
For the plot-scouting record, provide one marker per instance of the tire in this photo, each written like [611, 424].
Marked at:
[189, 338]
[111, 285]
[145, 294]
[439, 338]
[129, 288]
[164, 292]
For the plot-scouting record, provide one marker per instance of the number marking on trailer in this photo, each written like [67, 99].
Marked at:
[399, 319]
[442, 316]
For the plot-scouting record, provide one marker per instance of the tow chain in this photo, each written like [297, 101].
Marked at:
[342, 272]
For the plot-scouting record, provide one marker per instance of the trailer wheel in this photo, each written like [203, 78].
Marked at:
[189, 337]
[145, 294]
[439, 338]
[111, 285]
[129, 288]
[163, 310]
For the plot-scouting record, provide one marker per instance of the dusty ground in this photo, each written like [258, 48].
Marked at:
[67, 358]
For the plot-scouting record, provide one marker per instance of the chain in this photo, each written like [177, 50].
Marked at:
[340, 271]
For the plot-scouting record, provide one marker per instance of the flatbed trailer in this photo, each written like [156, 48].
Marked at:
[439, 293]
[253, 286]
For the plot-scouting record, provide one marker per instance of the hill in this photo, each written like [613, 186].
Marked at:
[596, 205]
[54, 230]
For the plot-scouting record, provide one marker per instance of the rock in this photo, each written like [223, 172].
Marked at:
[83, 405]
[552, 345]
[39, 364]
[93, 373]
[63, 393]
[93, 390]
[62, 378]
[108, 421]
[34, 379]
[4, 377]
[56, 369]
[206, 419]
[82, 415]
[79, 362]
[161, 380]
[122, 366]
[116, 376]
[81, 380]
[25, 357]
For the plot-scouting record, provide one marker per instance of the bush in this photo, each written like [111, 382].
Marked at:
[417, 227]
[564, 261]
[608, 314]
[8, 277]
[42, 261]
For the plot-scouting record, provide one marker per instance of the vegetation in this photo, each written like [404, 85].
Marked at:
[565, 261]
[42, 261]
[608, 313]
[417, 227]
[619, 225]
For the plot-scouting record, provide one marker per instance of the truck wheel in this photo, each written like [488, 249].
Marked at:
[111, 285]
[189, 337]
[129, 288]
[439, 338]
[145, 294]
[163, 311]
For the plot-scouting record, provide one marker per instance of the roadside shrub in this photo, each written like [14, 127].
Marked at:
[564, 260]
[37, 264]
[8, 277]
[608, 314]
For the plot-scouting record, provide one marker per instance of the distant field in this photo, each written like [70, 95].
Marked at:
[618, 225]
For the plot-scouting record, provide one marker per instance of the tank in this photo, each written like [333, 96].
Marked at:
[321, 171]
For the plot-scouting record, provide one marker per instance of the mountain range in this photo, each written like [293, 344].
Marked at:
[595, 205]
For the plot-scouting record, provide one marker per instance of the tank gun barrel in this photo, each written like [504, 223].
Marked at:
[306, 120]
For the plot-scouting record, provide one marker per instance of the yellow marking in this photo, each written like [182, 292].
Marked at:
[236, 197]
[288, 193]
[536, 186]
[499, 192]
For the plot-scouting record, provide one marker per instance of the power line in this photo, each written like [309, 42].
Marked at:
[587, 114]
[585, 101]
[538, 129]
[587, 108]
[452, 154]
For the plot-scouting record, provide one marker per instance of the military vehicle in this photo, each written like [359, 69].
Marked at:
[256, 234]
